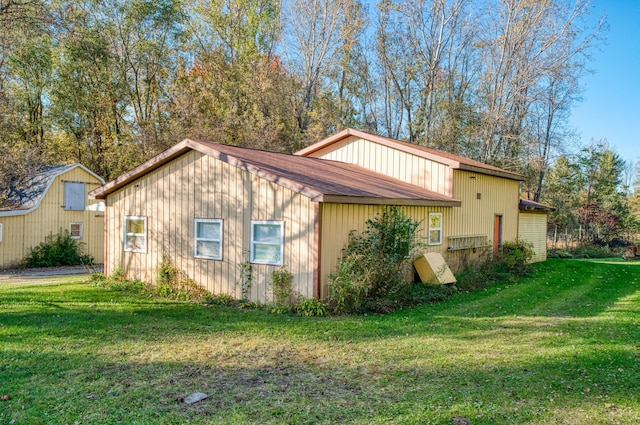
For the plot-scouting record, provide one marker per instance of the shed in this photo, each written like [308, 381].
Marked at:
[54, 198]
[215, 210]
[532, 227]
[488, 195]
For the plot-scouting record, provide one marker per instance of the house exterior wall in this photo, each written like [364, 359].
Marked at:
[22, 232]
[470, 225]
[498, 196]
[532, 228]
[338, 220]
[391, 162]
[199, 186]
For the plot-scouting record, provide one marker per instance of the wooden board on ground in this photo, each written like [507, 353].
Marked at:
[433, 268]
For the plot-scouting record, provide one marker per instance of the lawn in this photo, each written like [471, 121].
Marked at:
[557, 347]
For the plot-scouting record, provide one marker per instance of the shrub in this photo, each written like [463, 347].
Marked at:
[281, 286]
[516, 256]
[173, 283]
[311, 308]
[371, 275]
[58, 250]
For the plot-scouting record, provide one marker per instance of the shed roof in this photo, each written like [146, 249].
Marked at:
[320, 180]
[26, 196]
[528, 205]
[454, 161]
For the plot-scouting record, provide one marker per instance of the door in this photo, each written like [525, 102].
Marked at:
[497, 233]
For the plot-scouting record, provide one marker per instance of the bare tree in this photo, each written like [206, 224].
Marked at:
[321, 34]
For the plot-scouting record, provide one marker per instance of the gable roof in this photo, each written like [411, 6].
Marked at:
[28, 196]
[318, 179]
[453, 161]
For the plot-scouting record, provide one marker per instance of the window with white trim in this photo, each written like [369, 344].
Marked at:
[435, 228]
[207, 238]
[75, 230]
[74, 196]
[0, 232]
[267, 242]
[135, 233]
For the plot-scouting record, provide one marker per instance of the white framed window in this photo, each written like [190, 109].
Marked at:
[207, 238]
[0, 232]
[74, 196]
[267, 242]
[435, 228]
[75, 230]
[135, 233]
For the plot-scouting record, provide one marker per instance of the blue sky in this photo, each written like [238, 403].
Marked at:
[610, 108]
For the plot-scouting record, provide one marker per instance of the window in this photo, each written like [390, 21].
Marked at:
[135, 234]
[207, 238]
[435, 228]
[75, 230]
[74, 194]
[267, 242]
[0, 232]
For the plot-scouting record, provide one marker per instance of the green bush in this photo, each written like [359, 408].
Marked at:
[371, 275]
[175, 284]
[281, 287]
[311, 308]
[516, 256]
[58, 249]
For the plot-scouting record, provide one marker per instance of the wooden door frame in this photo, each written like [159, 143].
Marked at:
[497, 232]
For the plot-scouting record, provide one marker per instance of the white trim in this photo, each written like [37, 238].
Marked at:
[430, 229]
[10, 213]
[278, 261]
[0, 232]
[142, 249]
[81, 230]
[197, 239]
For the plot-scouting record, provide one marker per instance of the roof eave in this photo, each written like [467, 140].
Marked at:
[370, 200]
[142, 169]
[497, 173]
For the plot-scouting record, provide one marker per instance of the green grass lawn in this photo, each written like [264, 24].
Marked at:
[558, 347]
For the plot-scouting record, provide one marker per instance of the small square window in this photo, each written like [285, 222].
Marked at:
[435, 228]
[75, 230]
[267, 242]
[208, 238]
[135, 234]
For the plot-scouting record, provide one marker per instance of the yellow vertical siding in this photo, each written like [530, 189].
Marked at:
[391, 162]
[533, 228]
[198, 186]
[23, 232]
[338, 220]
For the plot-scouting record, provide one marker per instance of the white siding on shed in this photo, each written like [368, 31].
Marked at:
[533, 228]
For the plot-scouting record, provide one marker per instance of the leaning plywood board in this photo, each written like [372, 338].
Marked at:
[431, 267]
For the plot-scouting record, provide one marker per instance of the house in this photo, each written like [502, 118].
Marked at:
[215, 210]
[54, 198]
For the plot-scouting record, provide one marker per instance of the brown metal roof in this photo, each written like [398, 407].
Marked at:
[454, 161]
[319, 179]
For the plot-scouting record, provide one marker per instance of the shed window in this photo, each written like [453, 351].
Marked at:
[75, 230]
[208, 238]
[267, 242]
[435, 228]
[135, 234]
[74, 194]
[0, 232]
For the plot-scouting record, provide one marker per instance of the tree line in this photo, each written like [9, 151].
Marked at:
[111, 83]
